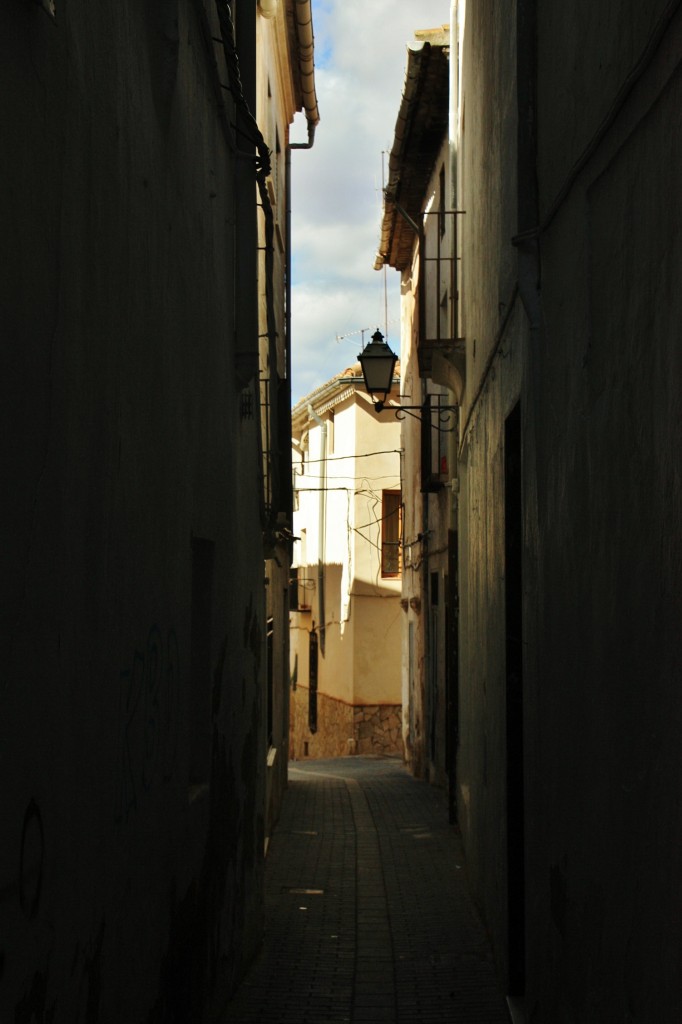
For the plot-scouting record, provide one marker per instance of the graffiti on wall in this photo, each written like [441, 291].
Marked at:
[147, 720]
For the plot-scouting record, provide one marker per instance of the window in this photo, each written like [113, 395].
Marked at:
[301, 589]
[391, 531]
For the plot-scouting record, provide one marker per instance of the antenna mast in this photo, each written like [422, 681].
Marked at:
[383, 154]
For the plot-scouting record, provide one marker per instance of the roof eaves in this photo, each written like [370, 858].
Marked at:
[427, 62]
[415, 53]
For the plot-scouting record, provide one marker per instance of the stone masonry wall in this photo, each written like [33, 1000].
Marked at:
[344, 729]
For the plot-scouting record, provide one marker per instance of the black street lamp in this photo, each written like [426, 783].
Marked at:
[378, 362]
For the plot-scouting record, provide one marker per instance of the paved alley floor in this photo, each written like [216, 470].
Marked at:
[368, 912]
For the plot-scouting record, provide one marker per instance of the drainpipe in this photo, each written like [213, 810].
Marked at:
[322, 524]
[285, 407]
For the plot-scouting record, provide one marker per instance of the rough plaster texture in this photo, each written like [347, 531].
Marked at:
[488, 135]
[130, 870]
[412, 636]
[480, 767]
[428, 517]
[608, 517]
[600, 45]
[598, 378]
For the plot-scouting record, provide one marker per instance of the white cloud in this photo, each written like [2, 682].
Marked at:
[334, 251]
[327, 321]
[360, 52]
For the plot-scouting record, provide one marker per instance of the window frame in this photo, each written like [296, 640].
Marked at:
[391, 539]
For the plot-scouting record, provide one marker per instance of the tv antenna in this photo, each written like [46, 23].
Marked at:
[362, 331]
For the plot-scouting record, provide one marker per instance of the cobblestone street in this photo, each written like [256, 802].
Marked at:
[368, 912]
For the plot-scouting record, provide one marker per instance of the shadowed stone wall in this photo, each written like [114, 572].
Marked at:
[132, 625]
[570, 499]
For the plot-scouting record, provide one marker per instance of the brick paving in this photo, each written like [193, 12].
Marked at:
[368, 913]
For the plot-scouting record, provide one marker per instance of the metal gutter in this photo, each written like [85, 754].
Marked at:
[303, 19]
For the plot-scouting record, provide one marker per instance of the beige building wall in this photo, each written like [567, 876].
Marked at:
[345, 456]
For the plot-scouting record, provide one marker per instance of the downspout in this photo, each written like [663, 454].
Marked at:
[285, 403]
[322, 525]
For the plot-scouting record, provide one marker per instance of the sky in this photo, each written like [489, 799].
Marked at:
[360, 61]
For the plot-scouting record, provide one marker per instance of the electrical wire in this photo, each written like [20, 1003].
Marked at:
[361, 455]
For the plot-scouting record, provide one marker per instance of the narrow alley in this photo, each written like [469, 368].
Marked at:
[368, 911]
[341, 419]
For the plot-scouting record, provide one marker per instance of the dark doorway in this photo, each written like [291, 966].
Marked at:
[513, 542]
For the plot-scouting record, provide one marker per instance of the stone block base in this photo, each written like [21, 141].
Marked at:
[344, 729]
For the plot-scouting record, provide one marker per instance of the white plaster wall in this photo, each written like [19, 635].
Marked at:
[362, 625]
